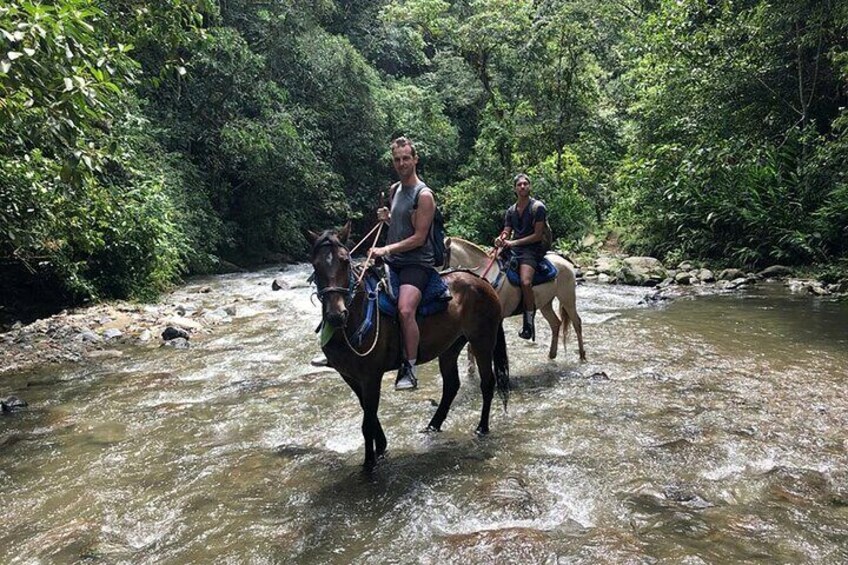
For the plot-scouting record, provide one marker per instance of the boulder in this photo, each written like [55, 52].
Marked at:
[607, 265]
[683, 278]
[642, 271]
[112, 333]
[172, 333]
[12, 403]
[589, 240]
[839, 287]
[177, 343]
[279, 284]
[775, 272]
[706, 275]
[730, 274]
[738, 282]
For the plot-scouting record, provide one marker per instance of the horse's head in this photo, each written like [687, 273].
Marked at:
[333, 276]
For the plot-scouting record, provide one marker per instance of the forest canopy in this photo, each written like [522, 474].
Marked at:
[144, 140]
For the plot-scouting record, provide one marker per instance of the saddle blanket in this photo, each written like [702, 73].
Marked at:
[545, 272]
[435, 299]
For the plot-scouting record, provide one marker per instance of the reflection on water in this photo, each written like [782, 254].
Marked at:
[702, 430]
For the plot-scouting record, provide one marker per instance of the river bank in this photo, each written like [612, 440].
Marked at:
[196, 310]
[101, 330]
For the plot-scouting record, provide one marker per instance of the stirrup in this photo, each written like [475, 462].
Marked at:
[406, 378]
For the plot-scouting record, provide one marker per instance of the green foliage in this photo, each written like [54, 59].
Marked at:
[561, 181]
[474, 208]
[735, 156]
[419, 115]
[146, 138]
[77, 198]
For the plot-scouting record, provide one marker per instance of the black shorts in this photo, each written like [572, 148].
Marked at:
[528, 255]
[416, 275]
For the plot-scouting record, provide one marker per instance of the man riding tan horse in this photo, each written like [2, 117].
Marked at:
[524, 225]
[463, 254]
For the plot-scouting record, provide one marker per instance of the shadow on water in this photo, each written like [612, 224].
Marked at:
[377, 502]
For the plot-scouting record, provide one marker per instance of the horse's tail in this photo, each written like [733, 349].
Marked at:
[502, 366]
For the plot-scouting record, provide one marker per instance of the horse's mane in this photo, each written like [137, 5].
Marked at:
[469, 244]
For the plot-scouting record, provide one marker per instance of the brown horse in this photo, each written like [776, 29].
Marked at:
[473, 316]
[464, 254]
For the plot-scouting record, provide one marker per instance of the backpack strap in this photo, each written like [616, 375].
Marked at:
[392, 191]
[534, 207]
[418, 191]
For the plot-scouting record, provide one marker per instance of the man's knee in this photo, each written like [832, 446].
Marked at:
[407, 310]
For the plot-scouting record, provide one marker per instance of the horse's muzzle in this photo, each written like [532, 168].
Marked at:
[338, 318]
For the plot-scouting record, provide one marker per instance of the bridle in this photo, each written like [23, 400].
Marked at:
[349, 293]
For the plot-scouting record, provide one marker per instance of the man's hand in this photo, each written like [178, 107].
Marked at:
[383, 214]
[379, 252]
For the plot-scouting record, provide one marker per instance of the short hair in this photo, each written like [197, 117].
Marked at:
[518, 177]
[402, 142]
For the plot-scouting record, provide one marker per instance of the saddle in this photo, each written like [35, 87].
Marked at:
[434, 300]
[545, 272]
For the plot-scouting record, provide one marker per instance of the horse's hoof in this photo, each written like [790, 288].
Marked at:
[382, 456]
[481, 432]
[431, 430]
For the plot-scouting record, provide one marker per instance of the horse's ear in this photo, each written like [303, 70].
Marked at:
[344, 233]
[312, 236]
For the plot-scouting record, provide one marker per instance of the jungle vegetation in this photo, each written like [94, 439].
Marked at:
[144, 140]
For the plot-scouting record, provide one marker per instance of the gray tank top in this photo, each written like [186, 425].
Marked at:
[403, 206]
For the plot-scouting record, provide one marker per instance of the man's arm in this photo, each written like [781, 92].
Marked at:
[422, 219]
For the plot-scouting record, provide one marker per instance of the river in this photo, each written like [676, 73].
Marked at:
[712, 428]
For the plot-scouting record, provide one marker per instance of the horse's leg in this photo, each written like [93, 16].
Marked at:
[450, 383]
[570, 314]
[549, 314]
[483, 353]
[470, 373]
[372, 431]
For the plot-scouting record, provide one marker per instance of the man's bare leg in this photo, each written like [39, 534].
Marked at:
[409, 297]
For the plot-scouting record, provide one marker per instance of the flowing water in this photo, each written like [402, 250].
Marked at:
[707, 429]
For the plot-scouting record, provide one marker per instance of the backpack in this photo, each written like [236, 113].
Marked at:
[437, 229]
[547, 233]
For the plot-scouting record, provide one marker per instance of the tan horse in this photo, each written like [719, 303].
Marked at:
[463, 254]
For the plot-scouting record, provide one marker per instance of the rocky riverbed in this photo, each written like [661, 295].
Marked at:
[194, 311]
[105, 330]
